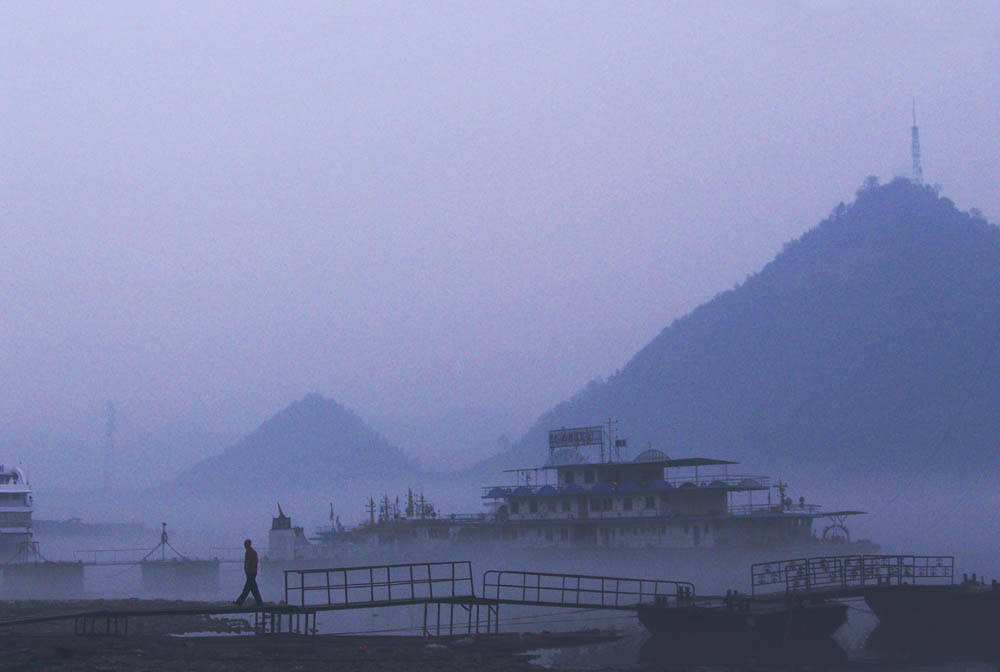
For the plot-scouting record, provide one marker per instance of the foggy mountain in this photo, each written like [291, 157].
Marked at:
[315, 444]
[845, 359]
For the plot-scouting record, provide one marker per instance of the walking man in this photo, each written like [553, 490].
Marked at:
[250, 569]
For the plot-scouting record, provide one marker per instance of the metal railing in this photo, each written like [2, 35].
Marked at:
[679, 482]
[582, 590]
[849, 571]
[379, 584]
[110, 556]
[750, 509]
[235, 553]
[759, 482]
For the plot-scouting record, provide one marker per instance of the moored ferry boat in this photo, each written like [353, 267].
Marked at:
[16, 506]
[586, 495]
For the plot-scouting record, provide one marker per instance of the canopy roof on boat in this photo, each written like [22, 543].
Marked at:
[681, 462]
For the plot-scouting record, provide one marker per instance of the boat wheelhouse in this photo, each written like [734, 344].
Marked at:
[16, 506]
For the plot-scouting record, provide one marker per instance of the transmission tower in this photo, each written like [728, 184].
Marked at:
[918, 171]
[109, 448]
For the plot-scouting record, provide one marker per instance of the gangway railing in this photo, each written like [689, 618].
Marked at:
[850, 571]
[580, 590]
[110, 556]
[380, 585]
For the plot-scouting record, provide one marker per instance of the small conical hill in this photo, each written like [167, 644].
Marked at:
[314, 444]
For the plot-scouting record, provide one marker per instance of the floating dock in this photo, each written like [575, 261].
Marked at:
[794, 599]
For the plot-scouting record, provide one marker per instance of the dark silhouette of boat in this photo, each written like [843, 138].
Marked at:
[969, 608]
[741, 651]
[740, 615]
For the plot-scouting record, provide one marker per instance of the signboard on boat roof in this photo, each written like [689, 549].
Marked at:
[576, 437]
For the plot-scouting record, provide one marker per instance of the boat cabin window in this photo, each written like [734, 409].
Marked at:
[650, 503]
[568, 477]
[613, 475]
[564, 505]
[595, 505]
[533, 506]
[608, 505]
[588, 477]
[627, 503]
[514, 506]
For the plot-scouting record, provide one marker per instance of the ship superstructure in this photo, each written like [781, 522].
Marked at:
[649, 501]
[16, 506]
[587, 495]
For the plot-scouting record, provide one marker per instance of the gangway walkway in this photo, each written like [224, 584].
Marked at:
[430, 584]
[447, 586]
[443, 589]
[580, 591]
[450, 586]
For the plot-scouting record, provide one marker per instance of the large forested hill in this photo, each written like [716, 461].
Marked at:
[846, 358]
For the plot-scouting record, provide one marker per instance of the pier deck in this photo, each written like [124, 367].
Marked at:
[449, 585]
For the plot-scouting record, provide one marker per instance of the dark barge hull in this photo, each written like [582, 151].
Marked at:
[772, 622]
[739, 651]
[969, 610]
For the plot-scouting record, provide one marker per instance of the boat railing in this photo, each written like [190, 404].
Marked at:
[753, 509]
[850, 571]
[744, 482]
[465, 517]
[728, 481]
[235, 553]
[98, 556]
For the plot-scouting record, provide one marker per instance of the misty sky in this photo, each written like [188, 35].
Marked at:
[209, 210]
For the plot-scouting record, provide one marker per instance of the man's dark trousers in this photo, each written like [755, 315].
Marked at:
[248, 587]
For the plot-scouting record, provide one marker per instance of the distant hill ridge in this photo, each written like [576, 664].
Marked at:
[851, 350]
[314, 443]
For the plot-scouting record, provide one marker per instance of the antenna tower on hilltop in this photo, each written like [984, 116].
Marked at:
[109, 448]
[918, 171]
